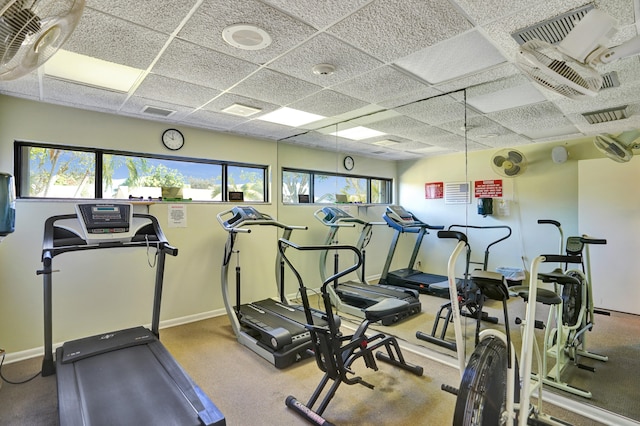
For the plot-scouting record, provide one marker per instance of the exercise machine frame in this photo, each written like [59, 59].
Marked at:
[336, 352]
[402, 221]
[272, 328]
[353, 297]
[125, 376]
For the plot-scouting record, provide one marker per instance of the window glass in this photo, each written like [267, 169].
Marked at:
[124, 176]
[295, 184]
[57, 173]
[380, 191]
[300, 186]
[324, 188]
[248, 180]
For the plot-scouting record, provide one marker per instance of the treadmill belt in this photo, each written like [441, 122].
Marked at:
[127, 386]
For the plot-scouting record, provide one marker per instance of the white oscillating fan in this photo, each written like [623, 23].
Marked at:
[509, 162]
[569, 67]
[618, 148]
[31, 31]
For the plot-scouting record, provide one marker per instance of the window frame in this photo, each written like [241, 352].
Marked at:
[99, 153]
[313, 173]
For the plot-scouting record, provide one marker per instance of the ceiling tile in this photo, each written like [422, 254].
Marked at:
[205, 67]
[102, 36]
[377, 27]
[206, 25]
[175, 91]
[328, 103]
[318, 13]
[274, 87]
[381, 84]
[348, 61]
[453, 58]
[160, 15]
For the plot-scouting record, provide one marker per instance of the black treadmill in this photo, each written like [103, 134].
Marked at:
[402, 222]
[272, 328]
[126, 376]
[354, 297]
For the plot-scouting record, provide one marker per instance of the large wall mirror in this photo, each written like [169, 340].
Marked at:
[432, 186]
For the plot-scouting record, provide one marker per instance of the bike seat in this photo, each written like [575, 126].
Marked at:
[558, 277]
[491, 284]
[385, 308]
[544, 296]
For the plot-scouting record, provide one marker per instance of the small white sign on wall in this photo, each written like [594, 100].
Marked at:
[457, 193]
[177, 215]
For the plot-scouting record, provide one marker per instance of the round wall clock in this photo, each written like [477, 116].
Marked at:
[173, 139]
[348, 162]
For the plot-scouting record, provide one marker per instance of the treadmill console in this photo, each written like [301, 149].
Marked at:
[102, 222]
[334, 214]
[243, 214]
[401, 216]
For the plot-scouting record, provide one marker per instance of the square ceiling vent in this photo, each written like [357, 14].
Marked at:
[552, 30]
[160, 112]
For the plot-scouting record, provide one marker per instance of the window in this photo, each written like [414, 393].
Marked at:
[324, 187]
[48, 171]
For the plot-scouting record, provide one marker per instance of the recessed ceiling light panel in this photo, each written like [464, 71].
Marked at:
[358, 133]
[246, 37]
[290, 117]
[241, 110]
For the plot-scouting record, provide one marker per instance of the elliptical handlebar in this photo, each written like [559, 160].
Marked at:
[585, 239]
[549, 222]
[284, 243]
[456, 235]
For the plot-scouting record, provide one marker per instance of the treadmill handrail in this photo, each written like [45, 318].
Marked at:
[52, 247]
[269, 221]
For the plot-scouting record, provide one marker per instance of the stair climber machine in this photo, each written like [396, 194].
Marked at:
[272, 328]
[403, 222]
[126, 376]
[353, 297]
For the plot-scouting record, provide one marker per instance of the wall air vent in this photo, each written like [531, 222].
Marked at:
[552, 30]
[606, 115]
[160, 112]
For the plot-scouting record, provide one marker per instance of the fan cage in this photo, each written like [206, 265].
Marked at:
[546, 66]
[33, 31]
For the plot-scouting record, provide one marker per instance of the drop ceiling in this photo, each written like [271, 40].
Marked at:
[402, 68]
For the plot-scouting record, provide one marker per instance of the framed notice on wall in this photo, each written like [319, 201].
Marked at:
[457, 193]
[488, 188]
[433, 190]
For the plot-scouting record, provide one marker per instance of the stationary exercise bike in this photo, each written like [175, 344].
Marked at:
[491, 391]
[565, 337]
[336, 352]
[470, 296]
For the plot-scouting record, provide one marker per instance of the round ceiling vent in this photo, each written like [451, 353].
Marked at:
[247, 37]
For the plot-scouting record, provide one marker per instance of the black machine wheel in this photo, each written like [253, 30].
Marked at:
[572, 299]
[482, 394]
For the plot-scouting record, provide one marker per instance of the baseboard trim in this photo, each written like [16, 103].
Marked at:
[39, 351]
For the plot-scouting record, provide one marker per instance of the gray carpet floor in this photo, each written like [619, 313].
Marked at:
[250, 391]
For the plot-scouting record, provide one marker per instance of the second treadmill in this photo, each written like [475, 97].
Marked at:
[354, 297]
[402, 222]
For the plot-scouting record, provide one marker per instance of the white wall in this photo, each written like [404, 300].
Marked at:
[610, 208]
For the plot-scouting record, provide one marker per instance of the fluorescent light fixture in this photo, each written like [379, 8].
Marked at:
[290, 117]
[358, 133]
[90, 71]
[241, 110]
[386, 142]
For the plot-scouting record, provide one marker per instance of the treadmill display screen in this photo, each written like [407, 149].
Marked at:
[105, 218]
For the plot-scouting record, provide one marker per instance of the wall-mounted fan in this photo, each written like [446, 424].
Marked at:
[31, 31]
[509, 163]
[618, 148]
[569, 67]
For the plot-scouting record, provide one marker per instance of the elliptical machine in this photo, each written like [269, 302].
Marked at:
[335, 352]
